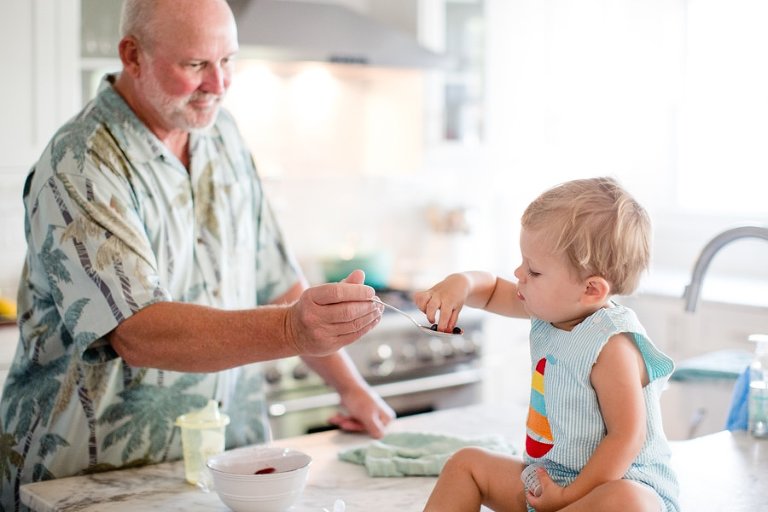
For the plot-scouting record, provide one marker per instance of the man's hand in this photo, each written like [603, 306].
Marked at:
[330, 316]
[365, 412]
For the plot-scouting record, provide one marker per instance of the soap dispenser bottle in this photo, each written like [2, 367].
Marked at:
[758, 387]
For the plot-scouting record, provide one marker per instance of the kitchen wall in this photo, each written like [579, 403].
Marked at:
[343, 154]
[648, 92]
[573, 89]
[310, 119]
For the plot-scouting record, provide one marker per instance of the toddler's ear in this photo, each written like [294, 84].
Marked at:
[596, 291]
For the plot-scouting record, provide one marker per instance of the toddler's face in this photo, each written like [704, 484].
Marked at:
[546, 286]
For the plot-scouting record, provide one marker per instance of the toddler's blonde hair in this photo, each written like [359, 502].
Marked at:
[599, 227]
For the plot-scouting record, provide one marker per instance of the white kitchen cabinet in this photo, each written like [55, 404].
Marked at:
[455, 117]
[39, 91]
[98, 39]
[457, 28]
[455, 107]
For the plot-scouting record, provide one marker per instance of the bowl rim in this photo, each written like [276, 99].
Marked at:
[264, 476]
[263, 497]
[275, 453]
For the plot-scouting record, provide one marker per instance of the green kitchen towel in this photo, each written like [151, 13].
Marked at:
[416, 454]
[721, 364]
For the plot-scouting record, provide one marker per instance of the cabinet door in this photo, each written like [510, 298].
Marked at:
[39, 91]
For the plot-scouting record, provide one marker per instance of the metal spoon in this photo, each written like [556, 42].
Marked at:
[426, 328]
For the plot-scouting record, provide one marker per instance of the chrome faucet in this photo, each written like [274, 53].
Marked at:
[693, 290]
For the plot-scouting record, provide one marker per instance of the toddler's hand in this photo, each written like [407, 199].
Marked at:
[550, 496]
[444, 300]
[531, 480]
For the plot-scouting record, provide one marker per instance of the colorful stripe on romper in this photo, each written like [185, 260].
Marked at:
[538, 439]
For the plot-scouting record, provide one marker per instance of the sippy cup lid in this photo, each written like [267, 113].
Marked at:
[207, 417]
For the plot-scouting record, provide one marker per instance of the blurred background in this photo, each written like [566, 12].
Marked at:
[414, 138]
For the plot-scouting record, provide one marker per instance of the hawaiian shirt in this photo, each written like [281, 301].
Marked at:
[114, 222]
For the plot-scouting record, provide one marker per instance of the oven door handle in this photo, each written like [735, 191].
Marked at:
[405, 387]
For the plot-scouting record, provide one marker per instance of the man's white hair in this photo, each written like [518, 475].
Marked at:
[136, 19]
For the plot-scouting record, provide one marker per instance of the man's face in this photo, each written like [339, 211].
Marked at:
[184, 78]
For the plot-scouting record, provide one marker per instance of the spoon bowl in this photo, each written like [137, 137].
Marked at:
[425, 329]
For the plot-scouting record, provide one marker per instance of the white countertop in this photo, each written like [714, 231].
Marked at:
[716, 288]
[717, 472]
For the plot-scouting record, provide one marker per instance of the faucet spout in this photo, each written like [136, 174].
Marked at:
[693, 290]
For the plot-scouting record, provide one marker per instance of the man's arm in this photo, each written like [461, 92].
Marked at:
[365, 410]
[191, 338]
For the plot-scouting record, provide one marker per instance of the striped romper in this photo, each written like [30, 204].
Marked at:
[564, 423]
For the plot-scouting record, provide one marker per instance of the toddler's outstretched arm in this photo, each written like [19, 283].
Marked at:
[475, 289]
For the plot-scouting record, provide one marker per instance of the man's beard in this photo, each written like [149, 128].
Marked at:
[178, 113]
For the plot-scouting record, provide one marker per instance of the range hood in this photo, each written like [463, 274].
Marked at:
[306, 31]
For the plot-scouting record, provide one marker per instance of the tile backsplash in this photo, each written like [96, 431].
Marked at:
[404, 217]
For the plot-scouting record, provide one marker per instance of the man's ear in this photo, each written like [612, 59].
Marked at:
[129, 51]
[596, 290]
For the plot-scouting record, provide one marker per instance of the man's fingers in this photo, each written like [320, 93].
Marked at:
[335, 293]
[355, 277]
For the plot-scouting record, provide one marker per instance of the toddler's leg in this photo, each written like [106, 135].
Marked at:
[621, 495]
[474, 477]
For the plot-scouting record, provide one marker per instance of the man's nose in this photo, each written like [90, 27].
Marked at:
[216, 80]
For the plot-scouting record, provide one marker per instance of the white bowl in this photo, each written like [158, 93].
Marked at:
[242, 488]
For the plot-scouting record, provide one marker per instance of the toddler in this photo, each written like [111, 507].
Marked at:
[594, 431]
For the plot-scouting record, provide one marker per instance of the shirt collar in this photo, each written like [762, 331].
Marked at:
[132, 134]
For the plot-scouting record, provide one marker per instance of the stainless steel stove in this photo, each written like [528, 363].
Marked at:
[413, 371]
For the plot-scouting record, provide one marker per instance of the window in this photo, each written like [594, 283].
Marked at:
[723, 130]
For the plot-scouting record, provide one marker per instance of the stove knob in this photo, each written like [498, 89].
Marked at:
[430, 351]
[469, 347]
[273, 375]
[407, 353]
[384, 368]
[424, 354]
[300, 371]
[383, 352]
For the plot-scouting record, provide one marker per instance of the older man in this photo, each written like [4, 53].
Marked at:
[156, 273]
